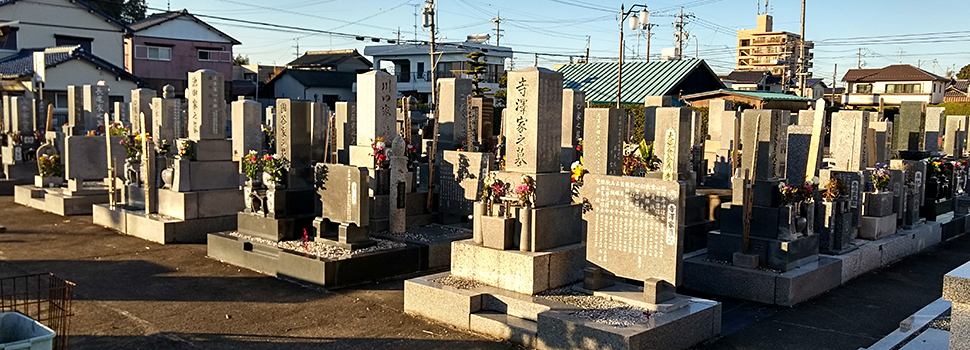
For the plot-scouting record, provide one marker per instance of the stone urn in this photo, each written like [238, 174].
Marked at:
[132, 171]
[168, 177]
[272, 183]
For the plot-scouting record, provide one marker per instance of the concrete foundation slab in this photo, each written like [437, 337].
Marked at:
[158, 228]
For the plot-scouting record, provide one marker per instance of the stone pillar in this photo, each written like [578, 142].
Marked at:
[319, 121]
[672, 146]
[141, 102]
[535, 100]
[165, 115]
[848, 146]
[5, 121]
[772, 128]
[935, 121]
[881, 134]
[23, 115]
[149, 175]
[399, 176]
[207, 106]
[95, 105]
[376, 114]
[909, 127]
[604, 130]
[818, 137]
[954, 143]
[75, 111]
[346, 134]
[452, 106]
[246, 128]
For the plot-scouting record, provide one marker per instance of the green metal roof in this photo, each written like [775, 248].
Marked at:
[640, 79]
[763, 95]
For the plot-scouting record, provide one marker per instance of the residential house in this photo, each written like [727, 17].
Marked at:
[892, 85]
[250, 79]
[957, 91]
[411, 63]
[814, 88]
[61, 23]
[640, 80]
[321, 76]
[758, 99]
[64, 66]
[165, 46]
[763, 48]
[752, 80]
[833, 96]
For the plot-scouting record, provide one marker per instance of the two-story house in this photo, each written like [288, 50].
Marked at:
[411, 63]
[165, 46]
[80, 44]
[892, 85]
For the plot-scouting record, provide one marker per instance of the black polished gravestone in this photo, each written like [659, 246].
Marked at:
[343, 191]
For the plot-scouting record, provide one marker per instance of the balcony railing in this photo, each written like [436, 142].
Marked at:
[425, 77]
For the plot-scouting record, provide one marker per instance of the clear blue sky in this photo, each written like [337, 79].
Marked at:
[881, 28]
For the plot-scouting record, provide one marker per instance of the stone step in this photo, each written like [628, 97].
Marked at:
[514, 304]
[514, 329]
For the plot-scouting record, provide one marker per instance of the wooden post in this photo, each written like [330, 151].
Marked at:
[749, 175]
[112, 200]
[50, 116]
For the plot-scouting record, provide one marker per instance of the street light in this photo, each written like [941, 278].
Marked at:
[635, 22]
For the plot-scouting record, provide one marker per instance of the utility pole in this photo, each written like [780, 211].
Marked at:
[649, 26]
[587, 50]
[398, 35]
[297, 47]
[416, 21]
[619, 67]
[802, 74]
[429, 17]
[858, 64]
[679, 27]
[535, 60]
[835, 72]
[498, 32]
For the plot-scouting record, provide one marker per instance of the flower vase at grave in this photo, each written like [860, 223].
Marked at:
[478, 214]
[168, 177]
[525, 232]
[48, 181]
[132, 169]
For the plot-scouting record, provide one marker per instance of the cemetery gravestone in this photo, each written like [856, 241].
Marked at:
[849, 132]
[247, 134]
[207, 111]
[141, 103]
[603, 146]
[935, 121]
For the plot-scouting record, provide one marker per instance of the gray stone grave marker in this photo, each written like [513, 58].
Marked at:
[935, 121]
[292, 131]
[634, 226]
[909, 127]
[882, 137]
[165, 115]
[535, 100]
[603, 146]
[207, 106]
[345, 194]
[247, 133]
[23, 118]
[799, 144]
[141, 102]
[121, 110]
[673, 132]
[452, 106]
[850, 129]
[75, 111]
[95, 105]
[954, 142]
[573, 109]
[771, 155]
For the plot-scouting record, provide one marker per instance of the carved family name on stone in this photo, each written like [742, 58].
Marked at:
[344, 192]
[634, 226]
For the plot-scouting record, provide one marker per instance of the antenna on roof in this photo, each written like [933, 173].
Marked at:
[168, 5]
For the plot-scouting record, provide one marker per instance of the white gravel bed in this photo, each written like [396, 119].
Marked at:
[599, 309]
[457, 282]
[322, 250]
[421, 234]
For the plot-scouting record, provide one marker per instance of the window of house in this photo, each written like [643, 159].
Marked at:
[863, 88]
[420, 71]
[60, 100]
[249, 76]
[155, 53]
[214, 55]
[8, 40]
[903, 88]
[67, 40]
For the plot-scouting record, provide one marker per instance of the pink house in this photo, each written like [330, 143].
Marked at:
[164, 47]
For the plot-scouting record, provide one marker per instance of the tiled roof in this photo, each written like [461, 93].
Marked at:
[327, 58]
[959, 85]
[746, 76]
[640, 79]
[162, 17]
[22, 64]
[319, 78]
[896, 72]
[762, 95]
[93, 9]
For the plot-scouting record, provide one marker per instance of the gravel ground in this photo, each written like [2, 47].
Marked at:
[457, 282]
[426, 234]
[322, 250]
[942, 322]
[599, 309]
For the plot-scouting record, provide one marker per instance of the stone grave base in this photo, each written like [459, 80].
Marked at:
[874, 228]
[416, 211]
[7, 185]
[953, 225]
[514, 270]
[807, 281]
[54, 200]
[774, 254]
[437, 240]
[158, 228]
[933, 209]
[536, 321]
[279, 262]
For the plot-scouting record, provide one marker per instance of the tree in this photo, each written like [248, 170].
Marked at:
[240, 60]
[964, 72]
[477, 69]
[502, 94]
[127, 11]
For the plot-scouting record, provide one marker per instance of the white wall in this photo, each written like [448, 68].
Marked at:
[80, 72]
[184, 28]
[40, 20]
[287, 87]
[930, 91]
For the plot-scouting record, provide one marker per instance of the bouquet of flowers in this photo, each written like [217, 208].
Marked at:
[526, 190]
[49, 165]
[807, 191]
[132, 144]
[185, 150]
[880, 177]
[577, 170]
[379, 152]
[412, 152]
[252, 164]
[118, 129]
[789, 194]
[274, 165]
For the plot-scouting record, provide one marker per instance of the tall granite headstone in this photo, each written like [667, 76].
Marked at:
[166, 112]
[535, 102]
[850, 129]
[346, 115]
[207, 106]
[247, 134]
[141, 102]
[452, 105]
[603, 146]
[935, 121]
[954, 142]
[909, 127]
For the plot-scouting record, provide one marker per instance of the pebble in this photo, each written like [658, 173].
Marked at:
[457, 282]
[599, 309]
[321, 250]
